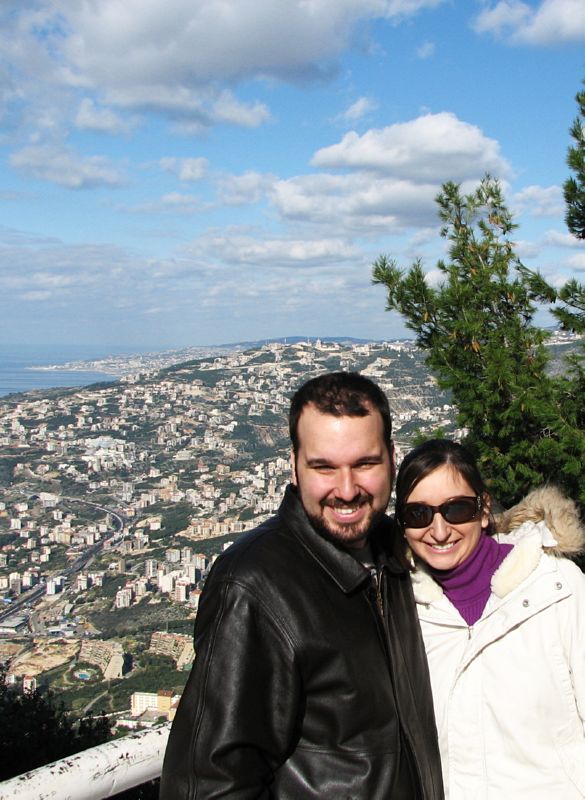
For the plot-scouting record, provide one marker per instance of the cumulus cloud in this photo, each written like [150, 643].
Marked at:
[357, 110]
[171, 203]
[551, 22]
[526, 249]
[226, 108]
[186, 169]
[48, 270]
[237, 190]
[177, 59]
[36, 296]
[540, 201]
[433, 147]
[563, 239]
[42, 284]
[387, 179]
[577, 262]
[65, 167]
[434, 278]
[203, 41]
[90, 117]
[425, 50]
[279, 252]
[357, 203]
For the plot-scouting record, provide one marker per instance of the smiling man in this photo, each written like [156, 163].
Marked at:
[311, 679]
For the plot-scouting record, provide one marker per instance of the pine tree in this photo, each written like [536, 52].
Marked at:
[574, 187]
[36, 730]
[572, 314]
[478, 333]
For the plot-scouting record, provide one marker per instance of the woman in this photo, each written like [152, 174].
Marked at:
[503, 618]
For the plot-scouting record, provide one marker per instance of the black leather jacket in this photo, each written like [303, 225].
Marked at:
[301, 689]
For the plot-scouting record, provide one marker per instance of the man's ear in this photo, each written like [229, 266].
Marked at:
[392, 451]
[293, 468]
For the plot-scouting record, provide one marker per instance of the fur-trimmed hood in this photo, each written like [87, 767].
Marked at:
[559, 514]
[544, 521]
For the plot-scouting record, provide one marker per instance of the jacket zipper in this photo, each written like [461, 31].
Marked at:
[376, 580]
[377, 577]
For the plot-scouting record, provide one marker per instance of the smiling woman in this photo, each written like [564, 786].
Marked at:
[504, 628]
[443, 518]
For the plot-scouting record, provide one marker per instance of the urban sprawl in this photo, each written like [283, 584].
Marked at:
[115, 499]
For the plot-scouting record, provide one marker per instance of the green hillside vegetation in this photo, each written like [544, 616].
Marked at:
[477, 333]
[143, 616]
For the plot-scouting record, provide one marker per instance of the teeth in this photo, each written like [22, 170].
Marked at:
[447, 546]
[345, 509]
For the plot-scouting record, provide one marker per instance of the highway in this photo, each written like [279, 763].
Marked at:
[29, 598]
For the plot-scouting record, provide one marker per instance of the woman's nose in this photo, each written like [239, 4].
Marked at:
[440, 528]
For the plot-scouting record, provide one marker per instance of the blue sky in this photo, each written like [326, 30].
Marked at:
[196, 172]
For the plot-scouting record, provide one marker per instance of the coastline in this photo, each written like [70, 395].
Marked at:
[30, 379]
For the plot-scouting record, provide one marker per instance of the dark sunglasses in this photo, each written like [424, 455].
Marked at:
[456, 511]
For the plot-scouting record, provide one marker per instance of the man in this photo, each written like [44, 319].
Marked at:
[310, 679]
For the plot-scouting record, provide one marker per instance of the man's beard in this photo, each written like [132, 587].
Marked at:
[350, 534]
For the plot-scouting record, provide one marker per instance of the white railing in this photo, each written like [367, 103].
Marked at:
[97, 773]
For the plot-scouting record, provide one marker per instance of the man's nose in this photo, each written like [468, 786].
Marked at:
[346, 485]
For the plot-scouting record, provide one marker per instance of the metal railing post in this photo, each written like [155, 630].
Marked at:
[96, 773]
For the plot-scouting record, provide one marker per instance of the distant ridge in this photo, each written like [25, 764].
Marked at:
[297, 339]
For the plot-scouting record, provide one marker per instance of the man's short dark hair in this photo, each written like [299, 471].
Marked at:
[342, 394]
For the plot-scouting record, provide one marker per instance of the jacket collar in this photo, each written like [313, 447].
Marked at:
[342, 567]
[558, 513]
[530, 541]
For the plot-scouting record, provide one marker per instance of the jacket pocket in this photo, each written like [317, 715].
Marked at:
[572, 757]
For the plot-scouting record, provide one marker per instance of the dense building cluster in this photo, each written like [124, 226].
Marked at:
[116, 498]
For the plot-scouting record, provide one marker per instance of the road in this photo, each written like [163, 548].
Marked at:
[32, 596]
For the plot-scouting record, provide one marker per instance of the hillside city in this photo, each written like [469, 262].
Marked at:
[115, 499]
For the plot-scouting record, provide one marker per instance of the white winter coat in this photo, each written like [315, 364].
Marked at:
[509, 692]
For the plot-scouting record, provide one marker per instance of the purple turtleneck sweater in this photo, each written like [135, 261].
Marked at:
[468, 584]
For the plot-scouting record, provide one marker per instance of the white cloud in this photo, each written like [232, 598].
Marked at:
[36, 296]
[505, 15]
[85, 276]
[65, 167]
[251, 187]
[191, 110]
[278, 252]
[42, 285]
[434, 278]
[563, 239]
[539, 201]
[577, 262]
[358, 110]
[92, 118]
[358, 204]
[190, 43]
[184, 203]
[171, 203]
[425, 50]
[526, 249]
[551, 22]
[226, 108]
[176, 58]
[433, 147]
[186, 169]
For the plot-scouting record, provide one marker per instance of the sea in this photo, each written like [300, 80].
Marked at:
[18, 362]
